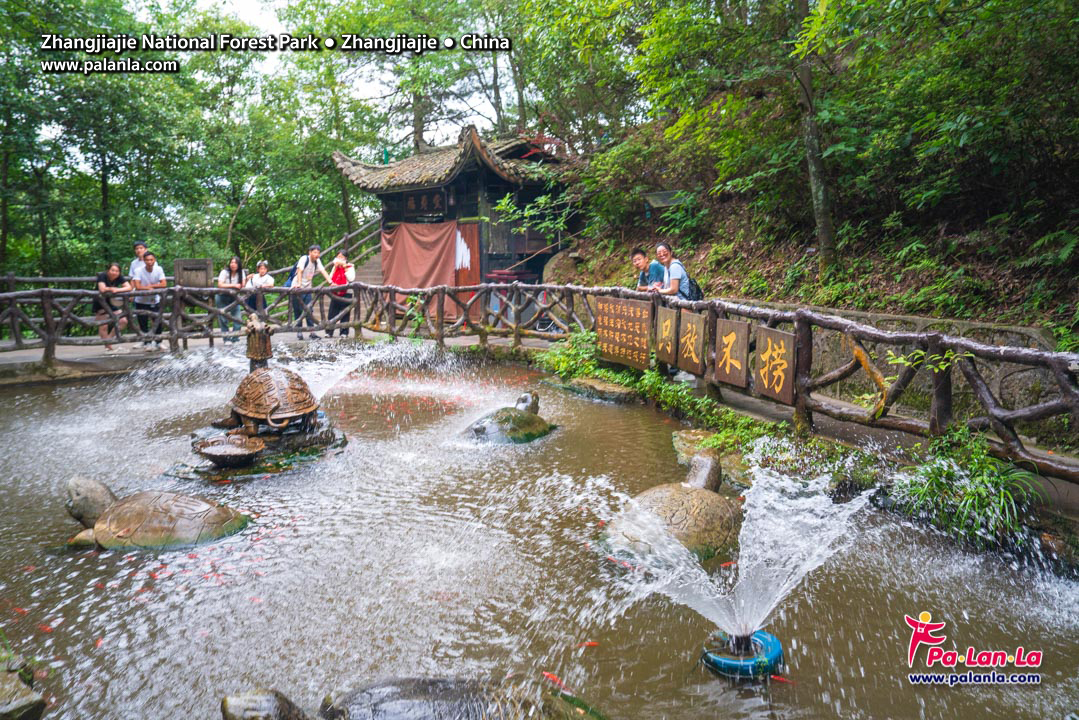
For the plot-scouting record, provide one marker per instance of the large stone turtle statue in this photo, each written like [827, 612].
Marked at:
[146, 519]
[518, 424]
[702, 520]
[416, 699]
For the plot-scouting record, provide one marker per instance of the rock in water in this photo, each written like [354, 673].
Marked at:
[706, 523]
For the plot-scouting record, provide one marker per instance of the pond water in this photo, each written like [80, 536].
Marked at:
[410, 551]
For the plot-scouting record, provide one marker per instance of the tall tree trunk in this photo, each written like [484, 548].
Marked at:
[346, 201]
[42, 225]
[519, 86]
[500, 115]
[5, 189]
[106, 223]
[818, 187]
[418, 117]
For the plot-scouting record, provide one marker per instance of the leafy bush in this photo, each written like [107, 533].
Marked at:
[968, 494]
[571, 357]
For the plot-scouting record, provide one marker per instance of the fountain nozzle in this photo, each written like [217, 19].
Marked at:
[740, 644]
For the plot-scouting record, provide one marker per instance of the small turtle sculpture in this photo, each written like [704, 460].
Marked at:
[706, 523]
[273, 396]
[146, 519]
[415, 699]
[518, 424]
[270, 395]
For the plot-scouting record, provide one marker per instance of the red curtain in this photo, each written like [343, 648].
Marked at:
[421, 255]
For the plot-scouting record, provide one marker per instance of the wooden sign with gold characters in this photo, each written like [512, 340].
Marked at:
[623, 328]
[774, 371]
[667, 335]
[691, 350]
[732, 352]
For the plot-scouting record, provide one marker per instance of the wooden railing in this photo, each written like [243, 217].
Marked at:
[47, 317]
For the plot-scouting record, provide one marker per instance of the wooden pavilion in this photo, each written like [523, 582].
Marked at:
[439, 225]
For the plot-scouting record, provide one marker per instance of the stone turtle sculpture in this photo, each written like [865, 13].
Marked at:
[146, 519]
[416, 699]
[271, 395]
[518, 424]
[705, 522]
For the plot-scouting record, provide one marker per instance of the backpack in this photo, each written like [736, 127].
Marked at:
[693, 290]
[292, 272]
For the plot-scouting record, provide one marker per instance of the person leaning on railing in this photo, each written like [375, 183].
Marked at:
[231, 277]
[261, 279]
[110, 283]
[149, 276]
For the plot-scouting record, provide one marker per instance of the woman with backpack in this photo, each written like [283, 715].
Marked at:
[676, 280]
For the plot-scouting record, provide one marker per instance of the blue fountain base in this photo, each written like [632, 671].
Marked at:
[766, 658]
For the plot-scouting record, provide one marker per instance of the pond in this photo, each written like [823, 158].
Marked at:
[410, 551]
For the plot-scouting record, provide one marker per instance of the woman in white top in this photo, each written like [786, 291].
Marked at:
[263, 279]
[232, 277]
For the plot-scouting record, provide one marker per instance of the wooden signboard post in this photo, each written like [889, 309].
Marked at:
[194, 273]
[667, 335]
[623, 328]
[774, 371]
[691, 350]
[732, 352]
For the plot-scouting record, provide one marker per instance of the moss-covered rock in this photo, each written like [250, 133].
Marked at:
[602, 390]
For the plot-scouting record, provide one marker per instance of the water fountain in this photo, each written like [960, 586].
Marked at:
[271, 397]
[789, 529]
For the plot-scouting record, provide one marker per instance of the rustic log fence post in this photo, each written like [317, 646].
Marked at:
[440, 312]
[803, 366]
[13, 319]
[49, 356]
[517, 309]
[711, 389]
[940, 408]
[174, 319]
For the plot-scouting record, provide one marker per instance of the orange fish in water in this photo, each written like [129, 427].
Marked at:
[99, 642]
[777, 678]
[554, 679]
[588, 643]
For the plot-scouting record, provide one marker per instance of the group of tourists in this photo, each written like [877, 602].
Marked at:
[665, 275]
[145, 274]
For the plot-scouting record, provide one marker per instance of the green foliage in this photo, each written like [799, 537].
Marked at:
[967, 493]
[414, 315]
[572, 357]
[932, 361]
[686, 222]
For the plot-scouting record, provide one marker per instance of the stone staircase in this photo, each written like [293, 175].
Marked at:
[371, 271]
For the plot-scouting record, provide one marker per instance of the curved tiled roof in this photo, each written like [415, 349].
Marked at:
[435, 167]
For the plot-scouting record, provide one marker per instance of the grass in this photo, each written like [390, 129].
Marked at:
[959, 488]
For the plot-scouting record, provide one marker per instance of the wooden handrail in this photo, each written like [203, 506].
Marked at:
[46, 318]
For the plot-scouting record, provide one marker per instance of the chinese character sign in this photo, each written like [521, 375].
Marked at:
[691, 349]
[774, 373]
[666, 335]
[425, 203]
[623, 328]
[732, 352]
